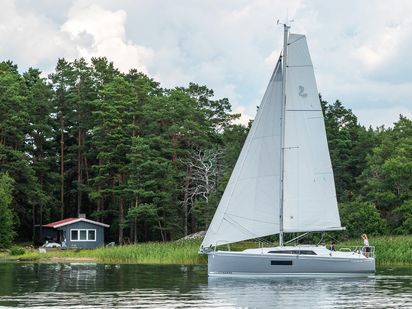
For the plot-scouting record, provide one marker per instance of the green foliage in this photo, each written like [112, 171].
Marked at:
[387, 179]
[7, 232]
[16, 250]
[91, 139]
[349, 144]
[361, 217]
[143, 213]
[405, 217]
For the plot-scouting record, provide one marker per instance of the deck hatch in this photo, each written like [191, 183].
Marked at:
[280, 262]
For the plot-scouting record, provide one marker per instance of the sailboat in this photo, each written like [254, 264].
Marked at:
[283, 183]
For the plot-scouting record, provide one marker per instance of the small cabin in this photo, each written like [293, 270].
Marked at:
[75, 232]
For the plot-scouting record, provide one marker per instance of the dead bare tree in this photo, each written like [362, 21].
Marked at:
[201, 179]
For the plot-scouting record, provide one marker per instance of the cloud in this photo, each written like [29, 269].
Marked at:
[360, 51]
[95, 31]
[382, 116]
[30, 39]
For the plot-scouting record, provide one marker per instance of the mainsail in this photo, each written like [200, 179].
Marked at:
[250, 205]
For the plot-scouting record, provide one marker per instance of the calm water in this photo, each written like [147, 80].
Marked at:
[81, 285]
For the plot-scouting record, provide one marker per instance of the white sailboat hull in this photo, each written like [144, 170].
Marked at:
[254, 263]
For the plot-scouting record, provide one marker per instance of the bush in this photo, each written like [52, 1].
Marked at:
[361, 217]
[16, 250]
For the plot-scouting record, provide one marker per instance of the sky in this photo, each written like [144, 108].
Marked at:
[361, 50]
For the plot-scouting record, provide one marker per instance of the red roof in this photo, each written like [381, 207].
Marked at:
[54, 224]
[60, 223]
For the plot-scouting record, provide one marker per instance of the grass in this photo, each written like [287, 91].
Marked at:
[390, 250]
[177, 252]
[153, 253]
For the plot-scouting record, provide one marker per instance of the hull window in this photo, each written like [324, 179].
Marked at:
[280, 262]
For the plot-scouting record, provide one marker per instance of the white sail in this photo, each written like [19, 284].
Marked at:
[249, 207]
[309, 189]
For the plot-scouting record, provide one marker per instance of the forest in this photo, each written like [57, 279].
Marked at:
[153, 162]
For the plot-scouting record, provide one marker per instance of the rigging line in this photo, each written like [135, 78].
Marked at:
[245, 230]
[242, 228]
[249, 218]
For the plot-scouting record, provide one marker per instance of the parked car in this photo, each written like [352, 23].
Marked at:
[51, 245]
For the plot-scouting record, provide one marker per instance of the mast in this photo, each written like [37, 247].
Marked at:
[282, 120]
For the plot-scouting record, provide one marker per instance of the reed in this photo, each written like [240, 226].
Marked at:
[390, 250]
[178, 252]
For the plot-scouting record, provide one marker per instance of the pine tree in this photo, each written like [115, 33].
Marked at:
[40, 145]
[7, 219]
[112, 137]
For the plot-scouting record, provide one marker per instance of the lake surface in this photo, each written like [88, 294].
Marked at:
[88, 285]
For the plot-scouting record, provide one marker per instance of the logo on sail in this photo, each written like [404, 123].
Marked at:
[301, 93]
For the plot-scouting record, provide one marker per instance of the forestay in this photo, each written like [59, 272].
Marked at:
[309, 189]
[249, 207]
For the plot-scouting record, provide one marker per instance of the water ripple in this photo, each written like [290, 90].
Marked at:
[152, 286]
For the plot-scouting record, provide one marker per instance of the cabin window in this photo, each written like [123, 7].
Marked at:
[74, 235]
[82, 235]
[91, 234]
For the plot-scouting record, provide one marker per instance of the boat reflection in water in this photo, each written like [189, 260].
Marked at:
[289, 292]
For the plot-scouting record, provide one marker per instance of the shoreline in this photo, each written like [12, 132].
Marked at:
[92, 260]
[390, 251]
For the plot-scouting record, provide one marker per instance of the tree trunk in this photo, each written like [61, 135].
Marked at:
[121, 211]
[135, 231]
[34, 223]
[85, 166]
[61, 164]
[121, 219]
[41, 208]
[186, 199]
[79, 170]
[161, 231]
[41, 219]
[100, 199]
